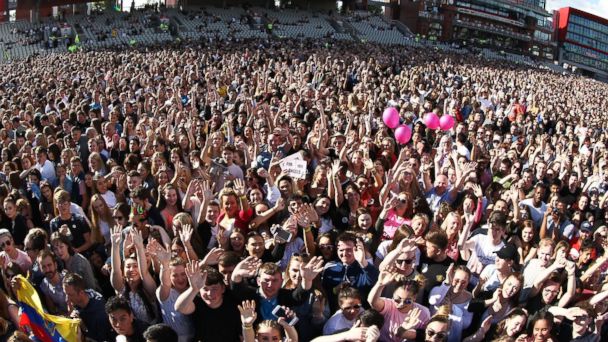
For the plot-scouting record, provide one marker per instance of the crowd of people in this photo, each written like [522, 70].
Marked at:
[250, 191]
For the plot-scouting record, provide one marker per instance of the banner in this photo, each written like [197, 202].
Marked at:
[32, 318]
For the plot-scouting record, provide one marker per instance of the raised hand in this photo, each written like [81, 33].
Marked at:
[312, 269]
[239, 187]
[449, 274]
[412, 320]
[247, 268]
[162, 254]
[138, 240]
[386, 277]
[248, 313]
[116, 236]
[360, 253]
[196, 278]
[213, 257]
[207, 194]
[486, 324]
[186, 234]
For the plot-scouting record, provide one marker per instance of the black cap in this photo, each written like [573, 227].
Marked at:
[509, 252]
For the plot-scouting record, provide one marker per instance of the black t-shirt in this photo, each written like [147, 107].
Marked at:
[77, 225]
[433, 272]
[139, 327]
[221, 324]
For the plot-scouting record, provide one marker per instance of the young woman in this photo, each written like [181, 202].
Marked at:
[395, 212]
[169, 204]
[72, 260]
[235, 211]
[17, 224]
[102, 221]
[398, 310]
[132, 278]
[525, 242]
[326, 247]
[454, 292]
[96, 164]
[100, 186]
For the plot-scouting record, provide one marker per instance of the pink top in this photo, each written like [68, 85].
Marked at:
[394, 317]
[392, 223]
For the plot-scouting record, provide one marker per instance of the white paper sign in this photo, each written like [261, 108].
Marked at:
[294, 168]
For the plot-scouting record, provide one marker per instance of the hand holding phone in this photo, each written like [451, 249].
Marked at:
[285, 314]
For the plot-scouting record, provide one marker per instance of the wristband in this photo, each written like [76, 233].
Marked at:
[247, 326]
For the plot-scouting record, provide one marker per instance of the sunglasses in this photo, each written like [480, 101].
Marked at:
[404, 261]
[354, 307]
[403, 200]
[326, 246]
[441, 334]
[5, 243]
[118, 217]
[406, 301]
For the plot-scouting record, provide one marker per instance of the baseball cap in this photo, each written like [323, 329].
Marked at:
[586, 226]
[508, 252]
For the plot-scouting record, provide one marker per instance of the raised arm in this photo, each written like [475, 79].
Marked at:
[163, 256]
[197, 279]
[116, 278]
[142, 263]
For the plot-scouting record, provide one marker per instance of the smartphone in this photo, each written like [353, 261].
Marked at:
[283, 234]
[278, 311]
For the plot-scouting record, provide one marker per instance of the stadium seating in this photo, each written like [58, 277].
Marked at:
[22, 39]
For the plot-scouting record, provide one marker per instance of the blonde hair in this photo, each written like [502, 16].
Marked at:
[96, 218]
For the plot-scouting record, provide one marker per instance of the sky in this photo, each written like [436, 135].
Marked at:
[597, 7]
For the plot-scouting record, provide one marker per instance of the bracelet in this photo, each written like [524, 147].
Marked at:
[243, 197]
[247, 326]
[308, 229]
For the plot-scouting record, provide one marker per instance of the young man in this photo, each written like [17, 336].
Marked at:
[434, 263]
[123, 321]
[51, 285]
[349, 301]
[210, 306]
[536, 266]
[160, 333]
[269, 292]
[88, 305]
[351, 270]
[485, 246]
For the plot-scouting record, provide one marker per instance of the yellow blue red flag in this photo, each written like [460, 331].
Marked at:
[46, 327]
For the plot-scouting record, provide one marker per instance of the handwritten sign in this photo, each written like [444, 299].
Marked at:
[294, 168]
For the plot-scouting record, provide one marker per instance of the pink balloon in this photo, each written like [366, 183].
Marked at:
[431, 120]
[403, 134]
[446, 122]
[391, 117]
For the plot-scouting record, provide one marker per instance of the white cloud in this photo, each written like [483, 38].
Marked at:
[597, 7]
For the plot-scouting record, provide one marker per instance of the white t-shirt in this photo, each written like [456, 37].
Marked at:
[338, 322]
[485, 249]
[537, 213]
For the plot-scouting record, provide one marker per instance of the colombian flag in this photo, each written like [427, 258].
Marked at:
[46, 327]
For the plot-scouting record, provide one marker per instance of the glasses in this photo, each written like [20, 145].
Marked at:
[118, 217]
[5, 243]
[326, 246]
[404, 261]
[406, 301]
[354, 307]
[439, 334]
[403, 200]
